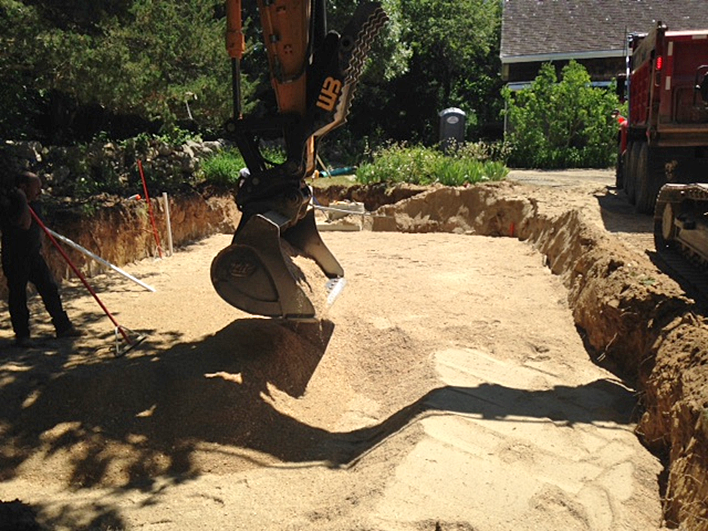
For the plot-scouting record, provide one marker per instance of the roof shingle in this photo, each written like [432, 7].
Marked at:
[588, 27]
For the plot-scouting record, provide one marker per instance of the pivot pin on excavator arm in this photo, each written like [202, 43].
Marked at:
[313, 73]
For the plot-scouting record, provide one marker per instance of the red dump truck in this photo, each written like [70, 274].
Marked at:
[667, 127]
[664, 168]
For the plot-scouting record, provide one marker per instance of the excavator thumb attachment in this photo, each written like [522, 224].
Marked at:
[257, 275]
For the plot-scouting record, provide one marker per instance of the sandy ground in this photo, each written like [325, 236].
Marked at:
[446, 389]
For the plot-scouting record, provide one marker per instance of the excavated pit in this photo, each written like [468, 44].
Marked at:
[635, 320]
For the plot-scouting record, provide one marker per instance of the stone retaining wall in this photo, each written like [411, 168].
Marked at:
[68, 169]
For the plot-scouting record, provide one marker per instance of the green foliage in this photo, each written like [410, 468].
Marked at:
[172, 135]
[498, 151]
[157, 60]
[455, 63]
[420, 165]
[94, 172]
[561, 124]
[161, 61]
[151, 65]
[20, 97]
[223, 168]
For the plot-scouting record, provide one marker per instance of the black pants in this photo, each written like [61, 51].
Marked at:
[32, 269]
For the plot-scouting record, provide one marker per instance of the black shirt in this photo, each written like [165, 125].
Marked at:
[16, 241]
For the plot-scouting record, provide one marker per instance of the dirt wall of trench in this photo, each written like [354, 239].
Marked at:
[635, 320]
[122, 231]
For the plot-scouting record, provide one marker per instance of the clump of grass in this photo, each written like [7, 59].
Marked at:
[456, 172]
[395, 163]
[223, 167]
[420, 165]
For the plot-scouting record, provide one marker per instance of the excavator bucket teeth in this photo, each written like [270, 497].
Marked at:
[256, 275]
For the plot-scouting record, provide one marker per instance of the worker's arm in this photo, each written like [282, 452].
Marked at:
[19, 209]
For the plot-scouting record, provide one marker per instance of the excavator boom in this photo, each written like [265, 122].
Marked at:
[313, 73]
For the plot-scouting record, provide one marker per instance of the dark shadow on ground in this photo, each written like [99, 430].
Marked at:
[619, 217]
[689, 276]
[618, 213]
[159, 407]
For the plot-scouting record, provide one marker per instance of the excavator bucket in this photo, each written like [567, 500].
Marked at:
[314, 73]
[257, 274]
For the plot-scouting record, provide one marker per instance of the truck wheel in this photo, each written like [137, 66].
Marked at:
[619, 172]
[630, 174]
[650, 178]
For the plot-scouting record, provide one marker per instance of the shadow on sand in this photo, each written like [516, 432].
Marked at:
[159, 406]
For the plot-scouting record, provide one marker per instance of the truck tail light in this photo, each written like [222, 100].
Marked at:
[659, 62]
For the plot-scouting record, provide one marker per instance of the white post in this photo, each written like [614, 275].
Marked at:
[169, 223]
[99, 259]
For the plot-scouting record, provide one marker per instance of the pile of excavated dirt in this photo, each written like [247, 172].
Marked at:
[505, 356]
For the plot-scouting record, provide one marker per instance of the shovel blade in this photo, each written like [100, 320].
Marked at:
[256, 275]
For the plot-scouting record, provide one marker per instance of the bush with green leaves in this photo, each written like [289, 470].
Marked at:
[70, 69]
[564, 123]
[397, 163]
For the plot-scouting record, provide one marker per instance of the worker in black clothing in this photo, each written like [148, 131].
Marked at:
[22, 261]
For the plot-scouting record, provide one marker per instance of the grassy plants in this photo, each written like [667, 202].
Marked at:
[223, 168]
[424, 166]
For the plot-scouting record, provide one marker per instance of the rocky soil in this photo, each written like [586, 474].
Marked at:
[506, 356]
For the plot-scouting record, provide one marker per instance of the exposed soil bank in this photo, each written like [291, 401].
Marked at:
[121, 231]
[634, 317]
[636, 320]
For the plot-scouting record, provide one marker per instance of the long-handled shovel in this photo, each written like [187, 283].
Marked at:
[131, 342]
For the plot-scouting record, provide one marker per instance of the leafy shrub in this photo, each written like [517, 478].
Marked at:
[420, 165]
[484, 151]
[561, 124]
[177, 136]
[173, 136]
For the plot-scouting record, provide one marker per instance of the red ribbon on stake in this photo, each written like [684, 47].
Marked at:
[152, 216]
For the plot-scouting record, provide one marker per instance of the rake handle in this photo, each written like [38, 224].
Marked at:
[78, 273]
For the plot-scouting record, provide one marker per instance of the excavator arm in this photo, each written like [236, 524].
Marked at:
[313, 73]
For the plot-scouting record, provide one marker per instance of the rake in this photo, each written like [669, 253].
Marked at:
[120, 331]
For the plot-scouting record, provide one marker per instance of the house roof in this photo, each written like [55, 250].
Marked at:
[542, 30]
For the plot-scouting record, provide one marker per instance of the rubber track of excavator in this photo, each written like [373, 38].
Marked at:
[688, 273]
[689, 269]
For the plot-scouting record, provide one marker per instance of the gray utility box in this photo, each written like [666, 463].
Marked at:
[452, 127]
